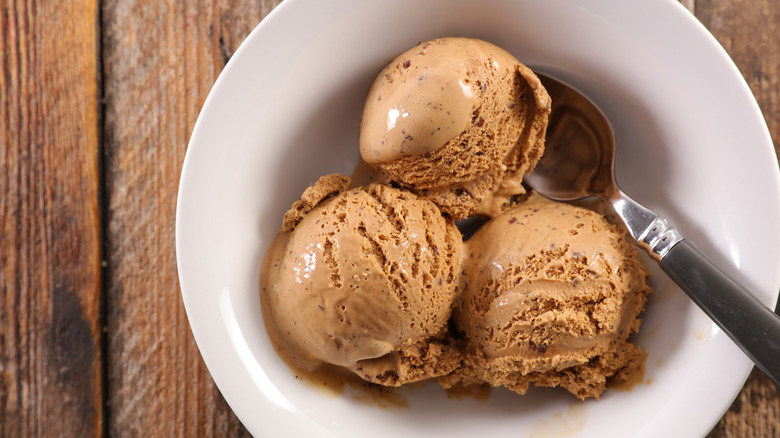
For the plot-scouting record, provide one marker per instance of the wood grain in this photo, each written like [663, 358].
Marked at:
[755, 413]
[160, 60]
[50, 355]
[155, 61]
[749, 30]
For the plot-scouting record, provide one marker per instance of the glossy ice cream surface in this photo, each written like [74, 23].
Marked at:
[550, 294]
[420, 104]
[364, 279]
[458, 120]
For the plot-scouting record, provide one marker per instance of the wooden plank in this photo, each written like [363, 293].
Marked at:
[755, 413]
[749, 30]
[160, 59]
[50, 339]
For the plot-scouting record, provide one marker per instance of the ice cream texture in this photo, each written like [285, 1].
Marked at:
[373, 275]
[550, 294]
[457, 119]
[363, 278]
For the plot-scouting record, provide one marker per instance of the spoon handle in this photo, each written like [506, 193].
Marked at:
[750, 324]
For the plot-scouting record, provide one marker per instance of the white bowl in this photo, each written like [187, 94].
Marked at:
[691, 144]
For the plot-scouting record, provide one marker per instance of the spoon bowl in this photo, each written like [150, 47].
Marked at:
[578, 162]
[581, 163]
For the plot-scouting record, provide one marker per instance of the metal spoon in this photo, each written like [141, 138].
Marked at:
[578, 162]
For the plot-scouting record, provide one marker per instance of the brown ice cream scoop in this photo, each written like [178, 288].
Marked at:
[580, 161]
[549, 287]
[365, 280]
[458, 120]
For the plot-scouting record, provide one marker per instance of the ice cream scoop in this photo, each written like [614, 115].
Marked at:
[458, 120]
[550, 294]
[579, 162]
[363, 278]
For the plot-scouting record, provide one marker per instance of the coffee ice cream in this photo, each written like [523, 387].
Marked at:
[550, 294]
[363, 278]
[377, 279]
[458, 120]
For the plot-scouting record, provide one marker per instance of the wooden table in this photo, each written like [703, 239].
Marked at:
[97, 102]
